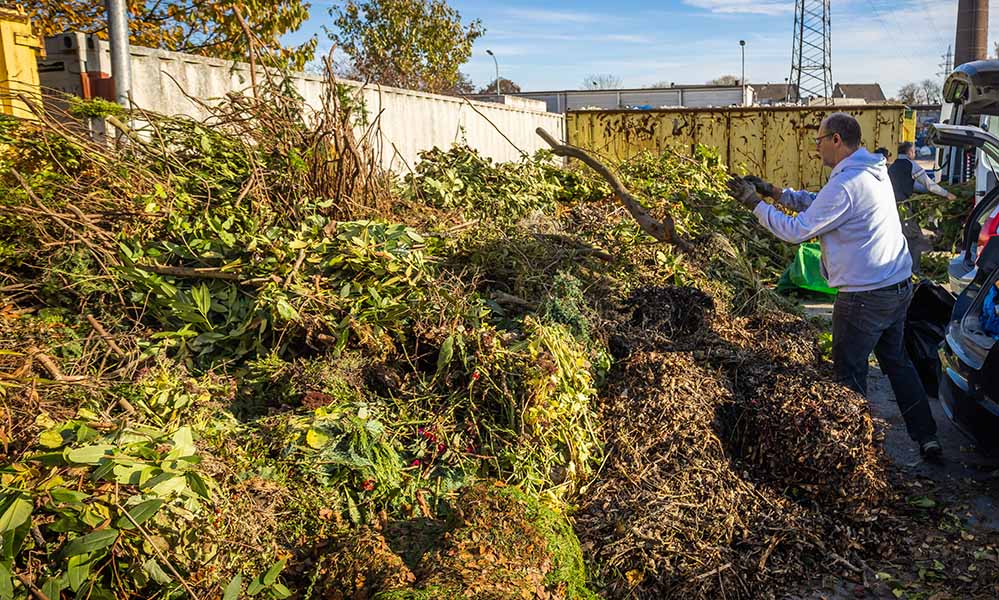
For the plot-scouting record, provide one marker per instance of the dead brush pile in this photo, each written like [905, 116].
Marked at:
[240, 359]
[733, 466]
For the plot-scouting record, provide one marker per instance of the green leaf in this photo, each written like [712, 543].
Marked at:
[256, 586]
[157, 480]
[272, 573]
[140, 513]
[316, 439]
[6, 581]
[278, 590]
[65, 496]
[286, 311]
[447, 351]
[98, 540]
[17, 513]
[922, 502]
[352, 511]
[183, 443]
[232, 590]
[85, 434]
[202, 298]
[88, 455]
[50, 459]
[155, 572]
[128, 474]
[51, 438]
[198, 485]
[53, 587]
[78, 569]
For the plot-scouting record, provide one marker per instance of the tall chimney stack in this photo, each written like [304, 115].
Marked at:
[972, 42]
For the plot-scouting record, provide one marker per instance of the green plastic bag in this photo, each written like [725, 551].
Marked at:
[805, 272]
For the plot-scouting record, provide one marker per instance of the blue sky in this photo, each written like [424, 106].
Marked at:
[556, 45]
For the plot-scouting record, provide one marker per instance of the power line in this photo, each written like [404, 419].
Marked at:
[947, 65]
[883, 23]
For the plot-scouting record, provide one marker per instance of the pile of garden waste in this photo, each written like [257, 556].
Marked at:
[238, 359]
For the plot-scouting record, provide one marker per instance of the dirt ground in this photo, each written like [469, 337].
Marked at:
[952, 515]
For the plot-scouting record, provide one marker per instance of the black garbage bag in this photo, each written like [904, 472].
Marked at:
[925, 328]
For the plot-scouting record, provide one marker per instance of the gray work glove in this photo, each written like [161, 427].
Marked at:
[764, 188]
[744, 192]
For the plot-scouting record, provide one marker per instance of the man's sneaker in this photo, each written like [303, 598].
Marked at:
[930, 449]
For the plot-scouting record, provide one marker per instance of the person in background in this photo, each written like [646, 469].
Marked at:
[864, 256]
[905, 174]
[883, 152]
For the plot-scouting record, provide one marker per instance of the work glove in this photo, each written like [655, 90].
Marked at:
[764, 188]
[744, 192]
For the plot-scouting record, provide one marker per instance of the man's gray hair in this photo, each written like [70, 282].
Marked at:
[846, 126]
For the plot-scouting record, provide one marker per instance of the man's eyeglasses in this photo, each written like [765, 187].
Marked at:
[819, 139]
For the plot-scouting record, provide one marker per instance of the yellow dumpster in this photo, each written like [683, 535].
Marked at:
[909, 126]
[19, 50]
[777, 143]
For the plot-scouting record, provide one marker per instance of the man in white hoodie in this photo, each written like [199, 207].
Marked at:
[864, 256]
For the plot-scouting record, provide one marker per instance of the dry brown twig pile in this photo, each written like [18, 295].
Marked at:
[729, 473]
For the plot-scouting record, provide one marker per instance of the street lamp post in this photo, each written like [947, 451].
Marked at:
[121, 62]
[496, 62]
[742, 44]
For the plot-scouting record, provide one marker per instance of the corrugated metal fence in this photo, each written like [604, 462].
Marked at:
[408, 122]
[776, 143]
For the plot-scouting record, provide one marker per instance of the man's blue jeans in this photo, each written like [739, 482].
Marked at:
[874, 321]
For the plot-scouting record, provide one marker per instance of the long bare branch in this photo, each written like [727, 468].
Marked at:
[664, 231]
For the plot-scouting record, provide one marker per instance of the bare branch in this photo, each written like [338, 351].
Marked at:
[664, 231]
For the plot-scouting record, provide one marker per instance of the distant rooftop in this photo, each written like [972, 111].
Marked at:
[871, 92]
[769, 93]
[645, 89]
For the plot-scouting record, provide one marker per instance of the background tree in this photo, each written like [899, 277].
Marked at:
[206, 27]
[724, 80]
[932, 91]
[506, 86]
[601, 82]
[909, 93]
[463, 87]
[415, 44]
[660, 84]
[926, 91]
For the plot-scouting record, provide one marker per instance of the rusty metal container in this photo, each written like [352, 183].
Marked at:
[776, 143]
[19, 50]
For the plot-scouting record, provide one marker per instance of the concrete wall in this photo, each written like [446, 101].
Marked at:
[408, 121]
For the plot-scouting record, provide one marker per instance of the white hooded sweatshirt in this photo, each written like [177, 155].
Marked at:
[855, 218]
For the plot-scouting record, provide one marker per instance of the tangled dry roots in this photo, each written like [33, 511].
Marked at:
[672, 514]
[801, 431]
[733, 458]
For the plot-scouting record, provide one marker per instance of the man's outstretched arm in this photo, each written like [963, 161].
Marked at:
[824, 211]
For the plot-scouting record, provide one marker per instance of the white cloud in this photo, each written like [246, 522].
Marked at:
[552, 16]
[750, 7]
[626, 38]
